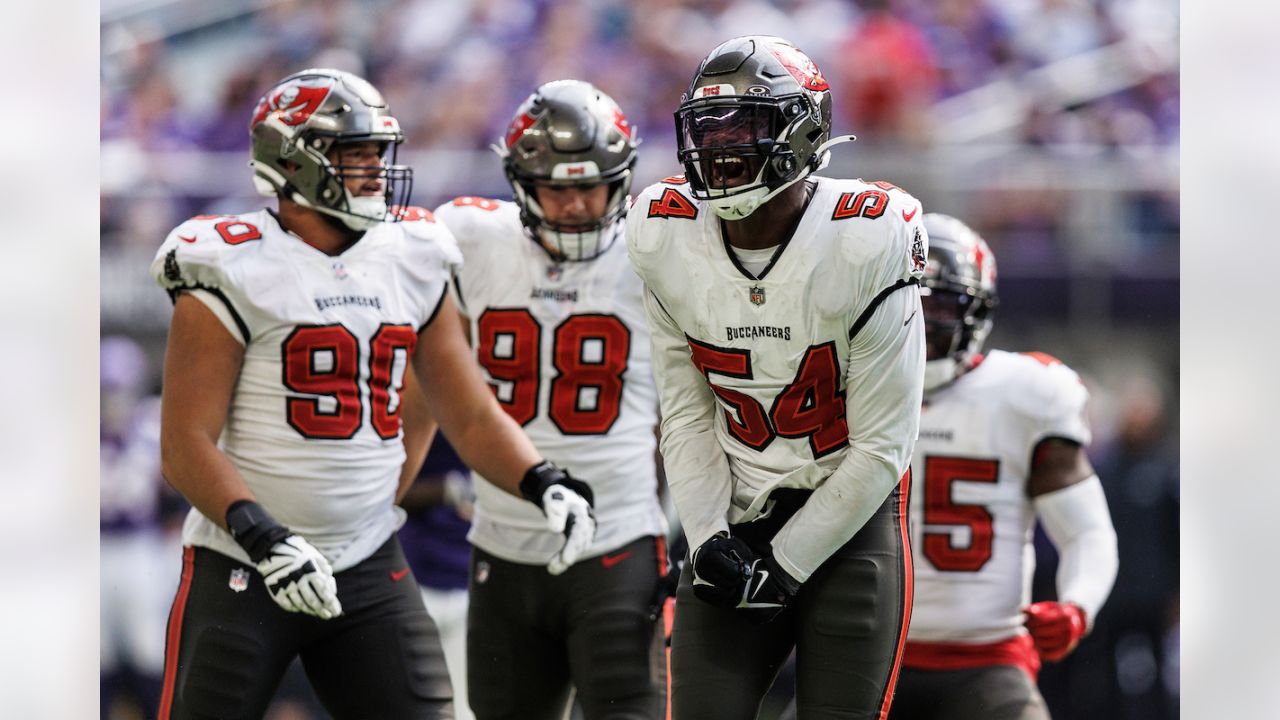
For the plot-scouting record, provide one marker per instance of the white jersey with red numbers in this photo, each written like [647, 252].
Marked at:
[971, 518]
[765, 381]
[565, 348]
[314, 422]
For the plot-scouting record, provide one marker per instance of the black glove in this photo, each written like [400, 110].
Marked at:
[769, 590]
[721, 569]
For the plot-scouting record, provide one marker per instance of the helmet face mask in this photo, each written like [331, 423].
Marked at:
[568, 134]
[755, 119]
[300, 132]
[958, 297]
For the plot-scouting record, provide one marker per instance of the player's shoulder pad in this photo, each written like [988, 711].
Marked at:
[669, 199]
[476, 221]
[1039, 385]
[429, 244]
[886, 221]
[658, 214]
[199, 252]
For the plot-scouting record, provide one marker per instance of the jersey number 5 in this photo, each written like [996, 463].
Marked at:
[322, 364]
[811, 406]
[589, 353]
[940, 475]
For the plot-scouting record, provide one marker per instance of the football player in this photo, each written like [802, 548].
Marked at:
[557, 318]
[1001, 444]
[788, 347]
[286, 380]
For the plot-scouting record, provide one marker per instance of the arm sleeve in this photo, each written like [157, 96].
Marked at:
[884, 384]
[696, 466]
[1078, 522]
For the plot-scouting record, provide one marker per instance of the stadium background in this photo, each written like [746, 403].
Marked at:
[1051, 126]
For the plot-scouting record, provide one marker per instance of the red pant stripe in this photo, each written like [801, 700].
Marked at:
[908, 577]
[175, 633]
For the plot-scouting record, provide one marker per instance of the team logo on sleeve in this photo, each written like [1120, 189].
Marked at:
[239, 581]
[172, 272]
[918, 259]
[756, 295]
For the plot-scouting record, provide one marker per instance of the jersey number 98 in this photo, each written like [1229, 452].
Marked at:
[589, 357]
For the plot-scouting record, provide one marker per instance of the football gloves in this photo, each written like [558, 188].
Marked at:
[727, 573]
[297, 576]
[567, 504]
[1056, 628]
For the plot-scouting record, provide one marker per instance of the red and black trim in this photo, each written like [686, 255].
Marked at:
[865, 317]
[173, 635]
[906, 591]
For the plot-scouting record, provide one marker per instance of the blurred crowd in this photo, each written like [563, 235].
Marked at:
[454, 70]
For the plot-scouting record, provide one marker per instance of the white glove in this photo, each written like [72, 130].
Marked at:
[567, 502]
[568, 513]
[300, 579]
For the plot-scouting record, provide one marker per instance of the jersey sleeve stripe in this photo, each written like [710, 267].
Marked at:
[457, 287]
[241, 325]
[865, 317]
[436, 311]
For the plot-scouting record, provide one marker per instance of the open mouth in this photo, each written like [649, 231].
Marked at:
[729, 171]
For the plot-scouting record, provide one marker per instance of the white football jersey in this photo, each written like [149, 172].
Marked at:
[971, 518]
[566, 350]
[314, 422]
[765, 382]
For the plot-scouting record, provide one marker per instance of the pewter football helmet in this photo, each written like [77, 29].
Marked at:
[755, 119]
[958, 296]
[305, 115]
[569, 133]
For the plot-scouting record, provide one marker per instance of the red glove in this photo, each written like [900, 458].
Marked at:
[1056, 628]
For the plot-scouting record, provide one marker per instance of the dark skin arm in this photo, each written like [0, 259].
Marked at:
[1056, 464]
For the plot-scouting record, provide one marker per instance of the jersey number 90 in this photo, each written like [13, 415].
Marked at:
[323, 362]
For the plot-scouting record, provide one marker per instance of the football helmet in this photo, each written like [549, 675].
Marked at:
[755, 119]
[569, 133]
[299, 120]
[958, 295]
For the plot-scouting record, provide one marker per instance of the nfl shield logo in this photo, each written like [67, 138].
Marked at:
[757, 295]
[554, 272]
[482, 572]
[239, 580]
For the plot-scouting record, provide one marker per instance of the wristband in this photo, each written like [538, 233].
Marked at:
[254, 529]
[545, 474]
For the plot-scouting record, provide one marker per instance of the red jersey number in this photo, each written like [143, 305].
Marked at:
[940, 475]
[322, 365]
[812, 406]
[589, 353]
